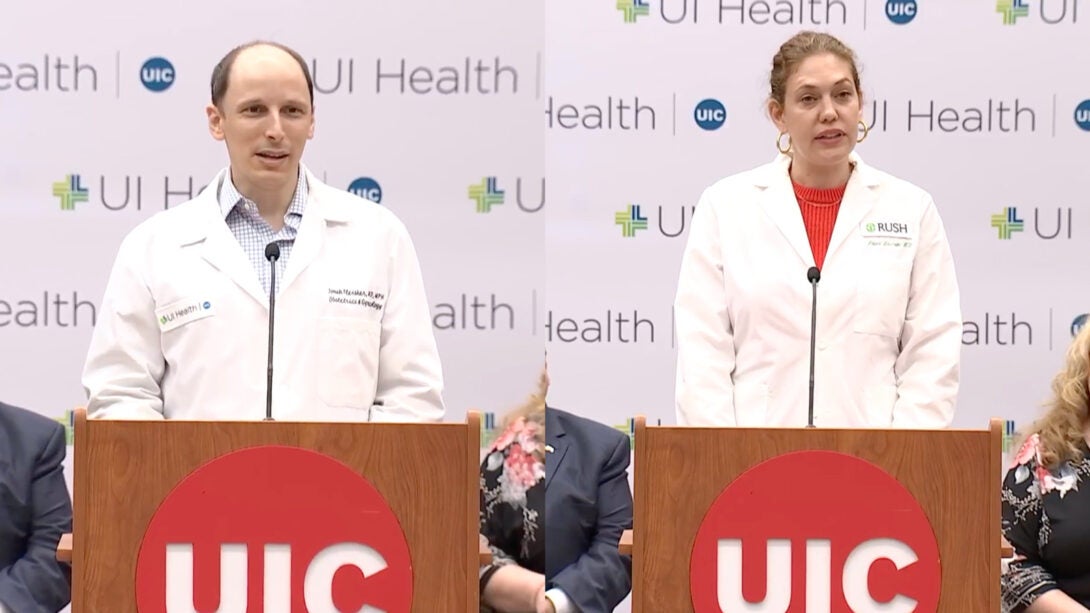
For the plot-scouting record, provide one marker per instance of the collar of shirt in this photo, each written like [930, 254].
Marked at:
[230, 198]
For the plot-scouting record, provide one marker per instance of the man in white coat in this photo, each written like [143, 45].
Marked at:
[184, 325]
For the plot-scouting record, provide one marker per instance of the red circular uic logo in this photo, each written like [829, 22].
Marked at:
[273, 529]
[815, 531]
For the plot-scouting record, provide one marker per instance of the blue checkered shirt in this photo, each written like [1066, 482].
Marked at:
[253, 233]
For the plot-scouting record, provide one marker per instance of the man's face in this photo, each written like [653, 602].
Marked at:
[265, 117]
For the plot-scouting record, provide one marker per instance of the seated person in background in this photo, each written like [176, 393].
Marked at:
[35, 509]
[513, 512]
[588, 504]
[1046, 500]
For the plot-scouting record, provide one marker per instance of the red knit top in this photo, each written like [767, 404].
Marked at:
[819, 207]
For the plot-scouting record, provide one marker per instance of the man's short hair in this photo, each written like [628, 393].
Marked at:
[221, 74]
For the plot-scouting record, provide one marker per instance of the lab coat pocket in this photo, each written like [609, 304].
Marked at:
[751, 404]
[882, 296]
[348, 361]
[880, 401]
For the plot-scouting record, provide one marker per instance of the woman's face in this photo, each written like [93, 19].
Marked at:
[821, 111]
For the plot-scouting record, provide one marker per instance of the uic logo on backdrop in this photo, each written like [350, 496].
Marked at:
[1008, 222]
[488, 193]
[901, 12]
[70, 191]
[298, 527]
[366, 188]
[710, 114]
[1082, 115]
[1012, 10]
[633, 9]
[867, 547]
[157, 74]
[1077, 324]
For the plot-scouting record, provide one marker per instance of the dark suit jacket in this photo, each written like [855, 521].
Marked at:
[588, 504]
[35, 510]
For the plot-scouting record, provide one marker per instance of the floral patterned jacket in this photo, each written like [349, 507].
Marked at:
[513, 499]
[1046, 519]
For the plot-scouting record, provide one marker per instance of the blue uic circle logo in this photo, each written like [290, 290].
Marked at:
[710, 114]
[367, 188]
[1082, 115]
[157, 74]
[1078, 324]
[901, 12]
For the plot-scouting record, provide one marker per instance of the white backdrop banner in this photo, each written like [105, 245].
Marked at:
[985, 104]
[428, 108]
[660, 98]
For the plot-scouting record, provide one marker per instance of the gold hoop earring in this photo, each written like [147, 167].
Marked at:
[780, 147]
[866, 130]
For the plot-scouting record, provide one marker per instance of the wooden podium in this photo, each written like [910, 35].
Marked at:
[427, 473]
[954, 475]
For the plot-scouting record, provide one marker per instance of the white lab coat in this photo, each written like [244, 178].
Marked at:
[888, 341]
[183, 328]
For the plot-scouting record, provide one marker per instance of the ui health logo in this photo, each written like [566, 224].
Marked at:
[628, 428]
[1011, 10]
[157, 74]
[70, 191]
[68, 420]
[279, 522]
[867, 547]
[366, 188]
[1010, 431]
[901, 12]
[486, 194]
[1051, 12]
[125, 192]
[633, 9]
[488, 430]
[1009, 222]
[630, 219]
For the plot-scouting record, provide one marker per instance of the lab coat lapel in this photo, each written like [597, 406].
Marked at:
[860, 196]
[779, 203]
[324, 207]
[220, 248]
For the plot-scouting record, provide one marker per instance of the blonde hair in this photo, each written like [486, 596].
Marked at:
[533, 410]
[799, 47]
[1061, 428]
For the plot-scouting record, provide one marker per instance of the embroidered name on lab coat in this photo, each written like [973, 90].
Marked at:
[182, 313]
[360, 297]
[887, 233]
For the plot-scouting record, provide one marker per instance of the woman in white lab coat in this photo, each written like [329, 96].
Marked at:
[888, 318]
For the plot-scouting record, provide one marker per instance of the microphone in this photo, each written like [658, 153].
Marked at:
[272, 254]
[813, 276]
